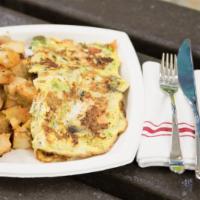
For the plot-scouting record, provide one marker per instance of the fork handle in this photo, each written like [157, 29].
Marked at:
[176, 159]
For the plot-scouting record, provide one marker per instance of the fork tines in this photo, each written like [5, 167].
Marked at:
[168, 65]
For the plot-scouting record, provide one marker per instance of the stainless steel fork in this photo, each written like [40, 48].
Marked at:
[169, 84]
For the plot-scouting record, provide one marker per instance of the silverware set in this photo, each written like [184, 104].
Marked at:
[178, 72]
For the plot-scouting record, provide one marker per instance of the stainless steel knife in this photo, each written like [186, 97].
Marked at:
[187, 82]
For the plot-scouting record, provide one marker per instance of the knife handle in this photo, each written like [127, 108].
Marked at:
[197, 120]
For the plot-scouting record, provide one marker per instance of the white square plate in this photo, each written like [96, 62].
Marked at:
[21, 163]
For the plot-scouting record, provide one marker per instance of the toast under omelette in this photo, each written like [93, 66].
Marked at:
[79, 109]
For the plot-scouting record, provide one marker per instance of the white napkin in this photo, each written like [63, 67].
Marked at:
[154, 149]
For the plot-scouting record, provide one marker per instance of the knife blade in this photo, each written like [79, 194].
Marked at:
[187, 83]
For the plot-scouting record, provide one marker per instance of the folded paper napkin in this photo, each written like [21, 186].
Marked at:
[154, 149]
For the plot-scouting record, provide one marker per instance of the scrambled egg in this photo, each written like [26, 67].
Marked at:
[79, 109]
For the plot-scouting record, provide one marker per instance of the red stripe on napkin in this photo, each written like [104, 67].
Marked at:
[163, 129]
[193, 136]
[163, 123]
[167, 129]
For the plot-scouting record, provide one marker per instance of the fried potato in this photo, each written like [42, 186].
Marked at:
[22, 137]
[17, 115]
[6, 76]
[26, 93]
[16, 46]
[4, 124]
[20, 70]
[15, 92]
[12, 88]
[5, 144]
[9, 58]
[9, 102]
[1, 102]
[4, 39]
[21, 140]
[2, 97]
[21, 91]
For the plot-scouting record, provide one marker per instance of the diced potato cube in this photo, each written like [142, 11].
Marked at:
[4, 39]
[17, 115]
[21, 140]
[12, 87]
[9, 102]
[6, 76]
[1, 102]
[9, 58]
[4, 124]
[26, 92]
[22, 137]
[2, 97]
[16, 46]
[20, 71]
[21, 90]
[5, 144]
